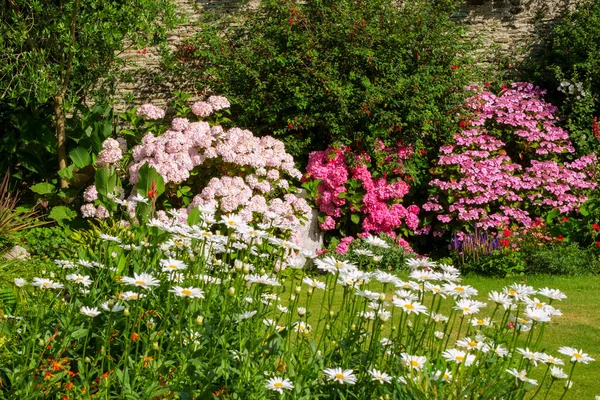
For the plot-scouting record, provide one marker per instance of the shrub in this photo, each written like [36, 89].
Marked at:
[355, 198]
[338, 71]
[509, 164]
[46, 243]
[569, 64]
[196, 165]
[563, 259]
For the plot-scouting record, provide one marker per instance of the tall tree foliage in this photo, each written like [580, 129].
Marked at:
[53, 53]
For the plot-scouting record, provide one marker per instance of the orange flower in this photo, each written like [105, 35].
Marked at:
[135, 337]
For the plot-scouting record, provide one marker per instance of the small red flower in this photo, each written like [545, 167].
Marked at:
[152, 193]
[507, 233]
[454, 67]
[135, 337]
[487, 84]
[560, 238]
[565, 219]
[462, 124]
[596, 227]
[597, 244]
[504, 87]
[290, 126]
[504, 242]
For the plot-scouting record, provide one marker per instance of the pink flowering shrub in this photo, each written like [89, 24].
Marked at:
[508, 164]
[227, 170]
[353, 199]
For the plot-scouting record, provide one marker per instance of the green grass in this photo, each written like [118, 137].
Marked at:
[578, 327]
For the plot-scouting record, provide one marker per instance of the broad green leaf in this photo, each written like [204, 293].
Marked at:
[80, 157]
[8, 300]
[147, 175]
[105, 181]
[43, 188]
[355, 218]
[79, 333]
[194, 217]
[61, 213]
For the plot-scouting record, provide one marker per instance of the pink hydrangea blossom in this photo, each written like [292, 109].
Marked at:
[150, 111]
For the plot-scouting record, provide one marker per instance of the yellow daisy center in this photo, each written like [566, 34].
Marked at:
[339, 376]
[414, 363]
[577, 355]
[409, 306]
[459, 358]
[140, 282]
[473, 344]
[512, 292]
[278, 384]
[186, 292]
[172, 266]
[460, 289]
[467, 309]
[480, 322]
[446, 376]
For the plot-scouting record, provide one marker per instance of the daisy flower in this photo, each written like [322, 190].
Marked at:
[46, 283]
[521, 375]
[112, 306]
[558, 373]
[468, 307]
[143, 280]
[246, 315]
[577, 356]
[464, 291]
[409, 306]
[90, 311]
[278, 384]
[83, 280]
[336, 374]
[380, 377]
[415, 362]
[20, 282]
[313, 283]
[375, 241]
[130, 296]
[445, 376]
[191, 292]
[170, 265]
[552, 294]
[481, 322]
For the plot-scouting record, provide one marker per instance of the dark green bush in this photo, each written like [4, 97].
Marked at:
[568, 65]
[338, 71]
[561, 259]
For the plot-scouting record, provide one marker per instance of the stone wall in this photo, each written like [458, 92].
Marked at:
[505, 26]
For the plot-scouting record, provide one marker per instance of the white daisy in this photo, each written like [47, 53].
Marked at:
[278, 384]
[340, 376]
[90, 311]
[143, 280]
[191, 292]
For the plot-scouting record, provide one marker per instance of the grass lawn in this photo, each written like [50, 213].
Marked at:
[578, 327]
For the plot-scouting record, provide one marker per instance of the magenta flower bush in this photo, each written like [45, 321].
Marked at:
[229, 171]
[349, 193]
[508, 164]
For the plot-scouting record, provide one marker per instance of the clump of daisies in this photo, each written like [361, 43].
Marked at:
[215, 305]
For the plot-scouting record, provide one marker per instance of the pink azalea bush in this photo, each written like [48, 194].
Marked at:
[347, 187]
[229, 170]
[508, 163]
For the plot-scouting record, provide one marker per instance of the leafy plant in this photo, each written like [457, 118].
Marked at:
[338, 72]
[12, 218]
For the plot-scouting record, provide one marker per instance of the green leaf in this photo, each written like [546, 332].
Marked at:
[105, 181]
[67, 173]
[79, 333]
[43, 188]
[194, 217]
[147, 175]
[8, 300]
[583, 210]
[80, 157]
[61, 213]
[355, 218]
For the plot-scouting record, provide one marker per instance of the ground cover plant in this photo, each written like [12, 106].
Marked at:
[172, 309]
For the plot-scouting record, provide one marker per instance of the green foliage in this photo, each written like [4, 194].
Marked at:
[569, 66]
[318, 72]
[500, 263]
[563, 259]
[46, 243]
[55, 55]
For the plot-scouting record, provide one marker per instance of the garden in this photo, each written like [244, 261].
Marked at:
[340, 201]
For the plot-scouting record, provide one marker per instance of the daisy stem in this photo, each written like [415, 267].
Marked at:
[568, 381]
[541, 382]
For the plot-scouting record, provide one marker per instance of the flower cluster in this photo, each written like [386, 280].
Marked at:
[505, 163]
[111, 153]
[377, 199]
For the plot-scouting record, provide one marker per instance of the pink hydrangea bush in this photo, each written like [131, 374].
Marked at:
[229, 170]
[347, 187]
[508, 164]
